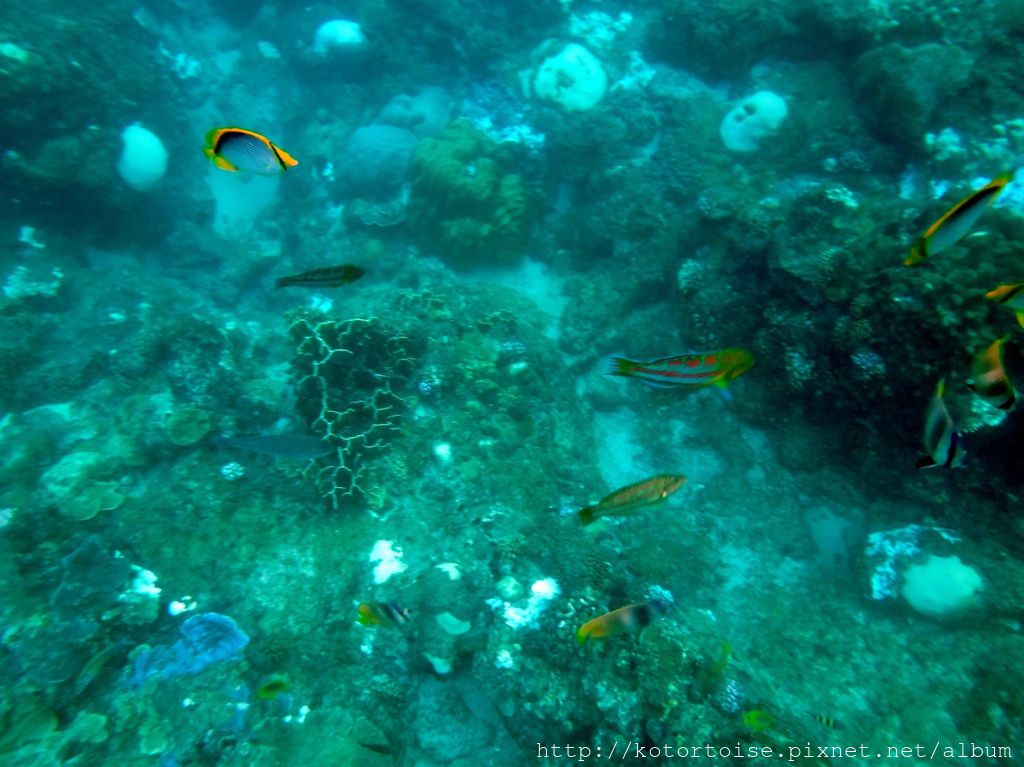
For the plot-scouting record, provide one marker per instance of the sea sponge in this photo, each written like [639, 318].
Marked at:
[143, 160]
[941, 586]
[573, 78]
[753, 120]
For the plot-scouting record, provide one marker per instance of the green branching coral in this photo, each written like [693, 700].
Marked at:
[347, 373]
[465, 202]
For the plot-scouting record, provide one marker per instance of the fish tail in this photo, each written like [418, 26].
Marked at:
[282, 282]
[588, 514]
[917, 253]
[620, 366]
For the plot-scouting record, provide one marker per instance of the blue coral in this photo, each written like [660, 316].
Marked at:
[207, 639]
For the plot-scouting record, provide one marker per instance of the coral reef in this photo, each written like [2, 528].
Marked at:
[349, 379]
[467, 205]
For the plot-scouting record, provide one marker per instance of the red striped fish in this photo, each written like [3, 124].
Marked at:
[686, 371]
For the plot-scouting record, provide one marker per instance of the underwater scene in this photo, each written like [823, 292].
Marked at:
[393, 382]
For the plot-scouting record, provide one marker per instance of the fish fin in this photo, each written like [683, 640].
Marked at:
[587, 514]
[619, 366]
[926, 462]
[1020, 318]
[281, 282]
[582, 636]
[286, 160]
[223, 164]
[918, 253]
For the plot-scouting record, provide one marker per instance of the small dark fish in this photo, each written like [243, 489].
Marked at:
[295, 447]
[273, 687]
[380, 748]
[95, 665]
[826, 721]
[328, 277]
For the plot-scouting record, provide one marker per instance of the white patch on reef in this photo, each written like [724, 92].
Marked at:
[526, 615]
[268, 50]
[536, 282]
[443, 452]
[27, 236]
[452, 569]
[239, 200]
[618, 450]
[338, 35]
[389, 560]
[14, 52]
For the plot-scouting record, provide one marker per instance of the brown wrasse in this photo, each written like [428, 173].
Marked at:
[327, 277]
[628, 499]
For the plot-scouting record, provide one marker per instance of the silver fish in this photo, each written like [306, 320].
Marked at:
[293, 447]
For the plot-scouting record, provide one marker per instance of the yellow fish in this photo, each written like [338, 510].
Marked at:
[628, 619]
[957, 221]
[989, 380]
[1012, 296]
[235, 149]
[382, 614]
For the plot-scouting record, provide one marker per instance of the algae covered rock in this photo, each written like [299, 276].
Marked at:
[902, 88]
[69, 486]
[466, 204]
[188, 424]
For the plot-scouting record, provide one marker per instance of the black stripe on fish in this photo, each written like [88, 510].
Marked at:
[250, 146]
[1011, 294]
[953, 448]
[394, 613]
[277, 154]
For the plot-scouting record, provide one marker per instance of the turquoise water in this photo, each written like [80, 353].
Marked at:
[337, 522]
